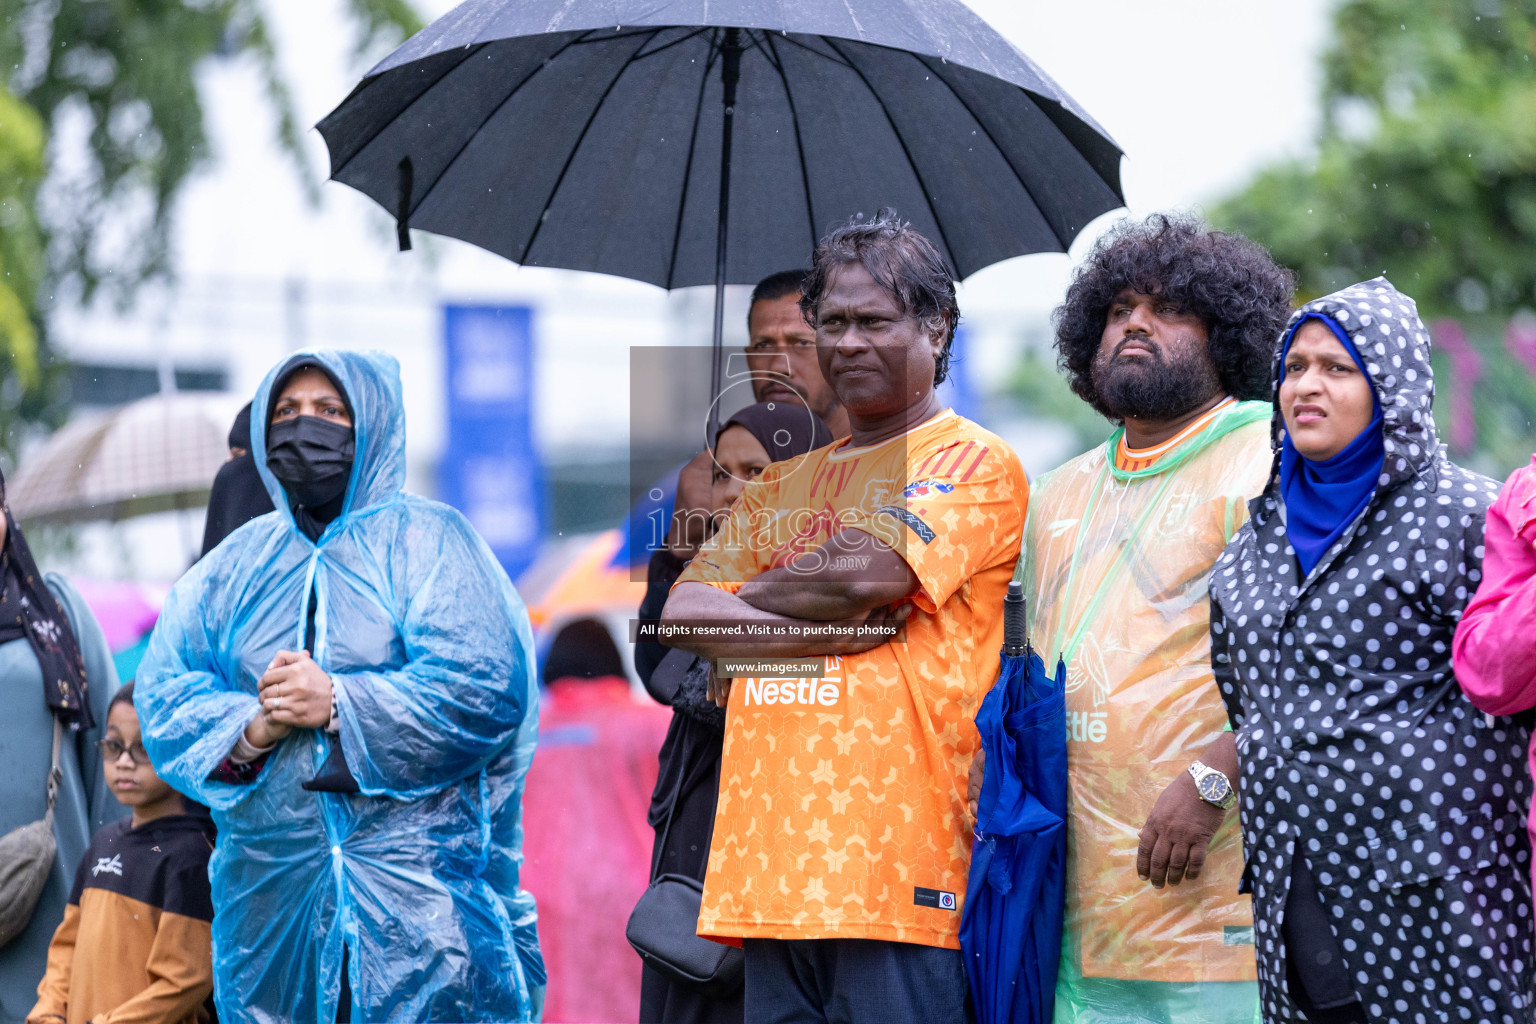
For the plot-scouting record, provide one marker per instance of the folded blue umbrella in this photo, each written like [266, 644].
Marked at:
[1010, 929]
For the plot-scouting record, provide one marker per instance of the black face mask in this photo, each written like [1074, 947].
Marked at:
[311, 458]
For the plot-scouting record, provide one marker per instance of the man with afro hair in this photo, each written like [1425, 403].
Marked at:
[1169, 330]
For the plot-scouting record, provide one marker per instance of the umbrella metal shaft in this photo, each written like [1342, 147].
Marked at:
[730, 74]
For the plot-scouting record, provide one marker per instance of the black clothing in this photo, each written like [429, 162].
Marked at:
[11, 627]
[335, 775]
[1362, 760]
[313, 521]
[240, 430]
[691, 751]
[1317, 977]
[27, 605]
[660, 574]
[237, 497]
[853, 981]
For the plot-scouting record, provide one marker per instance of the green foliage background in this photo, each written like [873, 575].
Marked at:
[1425, 170]
[129, 68]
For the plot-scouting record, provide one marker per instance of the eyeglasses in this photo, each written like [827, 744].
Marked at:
[111, 750]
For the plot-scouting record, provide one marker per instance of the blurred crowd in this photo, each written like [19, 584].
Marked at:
[1299, 650]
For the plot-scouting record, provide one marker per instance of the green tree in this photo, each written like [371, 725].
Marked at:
[124, 73]
[1425, 170]
[1039, 388]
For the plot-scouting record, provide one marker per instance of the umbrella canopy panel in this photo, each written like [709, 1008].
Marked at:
[598, 148]
[158, 453]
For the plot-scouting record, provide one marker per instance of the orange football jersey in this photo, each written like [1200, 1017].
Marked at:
[842, 799]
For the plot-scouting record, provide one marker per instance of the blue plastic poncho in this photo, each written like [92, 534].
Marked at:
[431, 656]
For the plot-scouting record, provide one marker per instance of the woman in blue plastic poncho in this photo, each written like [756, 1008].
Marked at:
[368, 798]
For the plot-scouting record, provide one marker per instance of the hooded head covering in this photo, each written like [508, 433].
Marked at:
[1324, 496]
[310, 456]
[240, 430]
[1380, 327]
[312, 522]
[784, 429]
[431, 659]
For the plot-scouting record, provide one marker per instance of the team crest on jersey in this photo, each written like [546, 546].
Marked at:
[921, 489]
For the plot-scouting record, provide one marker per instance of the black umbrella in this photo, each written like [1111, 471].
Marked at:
[686, 142]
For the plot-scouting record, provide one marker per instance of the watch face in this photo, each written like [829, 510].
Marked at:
[1214, 787]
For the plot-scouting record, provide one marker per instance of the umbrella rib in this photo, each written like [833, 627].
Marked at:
[927, 198]
[815, 52]
[1065, 243]
[336, 171]
[667, 46]
[481, 126]
[571, 156]
[794, 119]
[693, 141]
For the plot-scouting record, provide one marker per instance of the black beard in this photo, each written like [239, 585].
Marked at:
[1157, 391]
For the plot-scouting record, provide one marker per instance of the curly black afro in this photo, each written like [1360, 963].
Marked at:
[1231, 283]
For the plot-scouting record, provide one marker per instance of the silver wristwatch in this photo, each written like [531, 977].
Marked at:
[1213, 786]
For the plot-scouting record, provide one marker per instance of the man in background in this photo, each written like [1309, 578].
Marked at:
[1168, 330]
[781, 351]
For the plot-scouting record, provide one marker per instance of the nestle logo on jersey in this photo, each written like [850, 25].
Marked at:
[807, 693]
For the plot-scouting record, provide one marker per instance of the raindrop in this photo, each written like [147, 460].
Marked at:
[1471, 295]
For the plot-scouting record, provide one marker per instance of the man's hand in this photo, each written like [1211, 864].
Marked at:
[295, 691]
[262, 732]
[694, 515]
[718, 689]
[1177, 834]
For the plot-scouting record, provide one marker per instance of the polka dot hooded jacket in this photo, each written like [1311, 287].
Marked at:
[1358, 750]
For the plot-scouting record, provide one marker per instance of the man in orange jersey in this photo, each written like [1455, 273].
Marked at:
[841, 838]
[1169, 330]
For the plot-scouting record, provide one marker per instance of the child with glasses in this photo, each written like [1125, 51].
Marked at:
[134, 944]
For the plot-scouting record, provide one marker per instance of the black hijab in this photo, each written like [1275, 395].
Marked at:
[29, 609]
[238, 495]
[784, 429]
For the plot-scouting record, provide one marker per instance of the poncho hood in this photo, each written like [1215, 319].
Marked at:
[1385, 328]
[371, 381]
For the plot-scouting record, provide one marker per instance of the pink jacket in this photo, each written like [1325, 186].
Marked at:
[1495, 646]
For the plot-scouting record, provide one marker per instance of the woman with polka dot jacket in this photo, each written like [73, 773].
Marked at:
[1382, 813]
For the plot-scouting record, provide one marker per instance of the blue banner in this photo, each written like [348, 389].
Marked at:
[490, 470]
[959, 388]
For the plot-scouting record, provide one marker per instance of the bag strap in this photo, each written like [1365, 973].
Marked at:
[661, 847]
[666, 832]
[55, 773]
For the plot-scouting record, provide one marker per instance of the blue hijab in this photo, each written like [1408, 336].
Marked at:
[1323, 498]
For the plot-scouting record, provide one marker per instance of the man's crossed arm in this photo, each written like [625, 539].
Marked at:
[853, 579]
